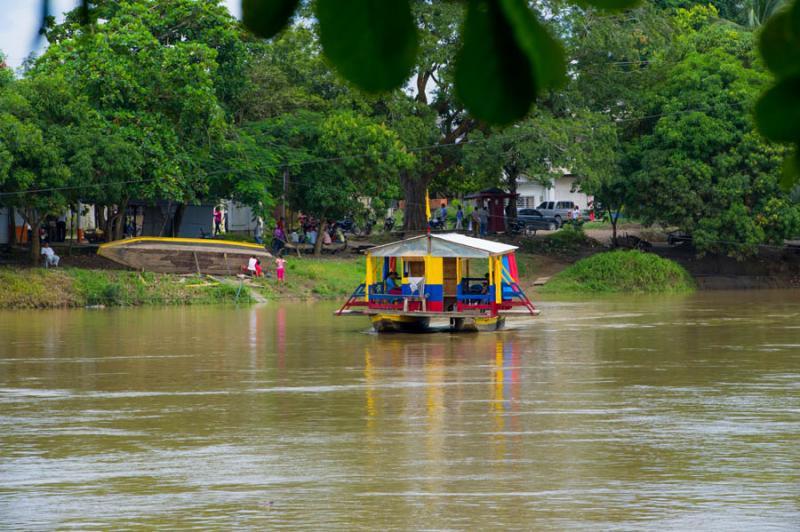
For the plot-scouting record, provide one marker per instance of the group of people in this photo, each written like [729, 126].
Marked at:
[254, 269]
[478, 222]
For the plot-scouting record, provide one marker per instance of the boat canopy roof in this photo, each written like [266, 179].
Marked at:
[443, 245]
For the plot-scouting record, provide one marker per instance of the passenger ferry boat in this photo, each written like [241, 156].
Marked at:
[440, 276]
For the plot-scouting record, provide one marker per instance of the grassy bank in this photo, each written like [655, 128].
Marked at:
[315, 278]
[620, 272]
[79, 287]
[76, 287]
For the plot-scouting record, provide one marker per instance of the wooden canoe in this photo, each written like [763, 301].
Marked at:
[183, 255]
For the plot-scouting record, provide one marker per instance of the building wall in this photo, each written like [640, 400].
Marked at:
[197, 219]
[532, 193]
[240, 218]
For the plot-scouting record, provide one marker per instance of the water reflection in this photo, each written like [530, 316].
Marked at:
[621, 414]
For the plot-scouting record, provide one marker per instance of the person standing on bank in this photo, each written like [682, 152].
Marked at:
[484, 218]
[280, 269]
[217, 220]
[475, 217]
[459, 219]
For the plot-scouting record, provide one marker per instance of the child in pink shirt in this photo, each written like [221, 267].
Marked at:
[279, 268]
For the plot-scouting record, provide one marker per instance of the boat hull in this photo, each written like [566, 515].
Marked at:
[182, 255]
[477, 324]
[383, 323]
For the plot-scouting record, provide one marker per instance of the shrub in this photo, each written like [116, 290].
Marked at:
[622, 271]
[569, 240]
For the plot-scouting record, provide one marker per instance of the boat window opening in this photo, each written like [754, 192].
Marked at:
[415, 267]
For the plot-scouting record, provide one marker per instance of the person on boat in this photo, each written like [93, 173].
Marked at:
[393, 284]
[280, 269]
[485, 285]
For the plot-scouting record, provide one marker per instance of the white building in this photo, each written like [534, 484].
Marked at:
[565, 188]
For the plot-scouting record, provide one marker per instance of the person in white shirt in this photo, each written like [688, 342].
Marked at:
[251, 266]
[50, 257]
[576, 214]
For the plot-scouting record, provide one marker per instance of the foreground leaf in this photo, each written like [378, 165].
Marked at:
[265, 18]
[494, 76]
[545, 53]
[780, 44]
[778, 111]
[372, 43]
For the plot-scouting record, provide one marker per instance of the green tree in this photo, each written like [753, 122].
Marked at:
[37, 117]
[338, 163]
[702, 167]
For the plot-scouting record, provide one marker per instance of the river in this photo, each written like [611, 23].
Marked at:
[644, 413]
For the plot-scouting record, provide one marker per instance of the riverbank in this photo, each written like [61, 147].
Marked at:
[29, 288]
[89, 280]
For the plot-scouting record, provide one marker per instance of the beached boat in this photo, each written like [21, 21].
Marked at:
[471, 282]
[182, 255]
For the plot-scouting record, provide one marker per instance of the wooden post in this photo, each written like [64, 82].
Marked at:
[498, 280]
[196, 262]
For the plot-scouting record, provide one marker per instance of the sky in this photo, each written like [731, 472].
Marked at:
[20, 20]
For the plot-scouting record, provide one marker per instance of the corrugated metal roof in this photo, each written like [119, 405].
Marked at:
[494, 248]
[442, 245]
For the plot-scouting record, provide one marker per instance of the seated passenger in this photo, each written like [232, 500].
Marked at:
[485, 284]
[393, 284]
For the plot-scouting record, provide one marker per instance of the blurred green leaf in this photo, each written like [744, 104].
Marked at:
[778, 111]
[372, 43]
[542, 49]
[611, 5]
[794, 12]
[265, 18]
[790, 175]
[494, 77]
[780, 44]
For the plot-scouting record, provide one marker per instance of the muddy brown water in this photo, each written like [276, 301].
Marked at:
[631, 413]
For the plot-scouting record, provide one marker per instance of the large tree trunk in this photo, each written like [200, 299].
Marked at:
[12, 226]
[116, 222]
[177, 220]
[511, 212]
[323, 226]
[614, 220]
[414, 218]
[34, 219]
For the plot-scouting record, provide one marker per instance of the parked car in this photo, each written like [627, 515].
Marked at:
[678, 237]
[533, 220]
[560, 211]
